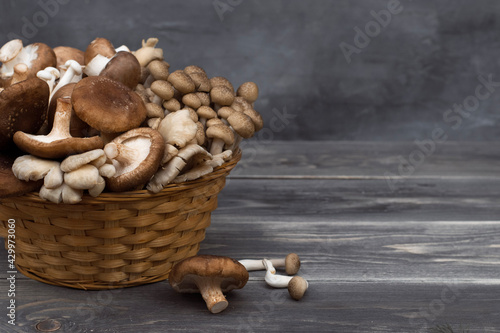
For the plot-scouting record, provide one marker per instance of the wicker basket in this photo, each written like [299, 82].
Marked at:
[115, 240]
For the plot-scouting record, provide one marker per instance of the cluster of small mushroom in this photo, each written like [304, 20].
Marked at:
[212, 276]
[115, 119]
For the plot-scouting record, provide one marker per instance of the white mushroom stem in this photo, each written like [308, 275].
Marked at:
[96, 65]
[212, 294]
[120, 152]
[273, 279]
[122, 48]
[49, 75]
[291, 263]
[20, 73]
[73, 72]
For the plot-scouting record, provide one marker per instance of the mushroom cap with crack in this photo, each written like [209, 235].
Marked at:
[100, 46]
[149, 148]
[125, 68]
[45, 58]
[182, 82]
[11, 186]
[23, 107]
[231, 274]
[107, 105]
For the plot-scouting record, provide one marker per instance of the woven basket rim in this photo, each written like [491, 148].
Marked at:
[107, 197]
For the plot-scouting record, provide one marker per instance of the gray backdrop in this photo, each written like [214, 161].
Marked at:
[340, 70]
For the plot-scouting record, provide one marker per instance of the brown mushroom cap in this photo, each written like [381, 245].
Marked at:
[100, 46]
[206, 112]
[297, 287]
[201, 81]
[221, 81]
[208, 273]
[46, 58]
[11, 186]
[125, 68]
[159, 69]
[221, 132]
[163, 89]
[292, 263]
[242, 124]
[248, 91]
[23, 107]
[65, 53]
[191, 100]
[182, 82]
[144, 149]
[222, 95]
[194, 69]
[107, 105]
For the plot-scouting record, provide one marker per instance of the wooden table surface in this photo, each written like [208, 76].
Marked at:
[391, 240]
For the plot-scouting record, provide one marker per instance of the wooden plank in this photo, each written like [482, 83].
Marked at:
[341, 159]
[326, 307]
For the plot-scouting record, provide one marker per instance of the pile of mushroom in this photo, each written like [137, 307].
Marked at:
[136, 124]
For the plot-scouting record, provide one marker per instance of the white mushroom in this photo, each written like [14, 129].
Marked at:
[73, 162]
[49, 75]
[291, 263]
[169, 172]
[29, 167]
[297, 288]
[73, 74]
[178, 128]
[83, 178]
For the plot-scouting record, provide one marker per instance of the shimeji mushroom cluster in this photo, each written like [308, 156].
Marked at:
[115, 119]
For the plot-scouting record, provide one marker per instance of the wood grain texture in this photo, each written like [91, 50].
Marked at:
[378, 260]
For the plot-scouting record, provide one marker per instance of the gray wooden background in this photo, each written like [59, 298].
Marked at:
[328, 70]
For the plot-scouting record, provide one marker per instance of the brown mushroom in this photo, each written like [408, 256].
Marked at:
[124, 68]
[221, 135]
[163, 89]
[159, 69]
[112, 108]
[222, 95]
[101, 46]
[182, 82]
[222, 81]
[242, 124]
[23, 107]
[59, 142]
[209, 275]
[136, 155]
[248, 91]
[65, 53]
[191, 100]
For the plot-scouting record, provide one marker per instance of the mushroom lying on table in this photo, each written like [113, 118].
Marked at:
[296, 285]
[291, 263]
[209, 275]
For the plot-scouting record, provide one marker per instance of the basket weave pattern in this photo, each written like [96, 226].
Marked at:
[115, 240]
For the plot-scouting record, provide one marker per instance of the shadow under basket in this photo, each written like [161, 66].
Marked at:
[115, 240]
